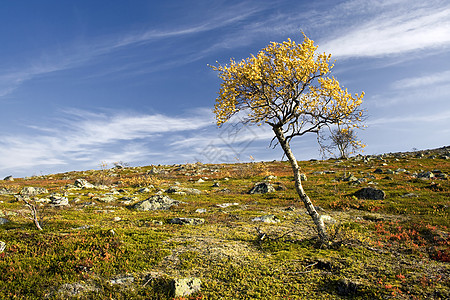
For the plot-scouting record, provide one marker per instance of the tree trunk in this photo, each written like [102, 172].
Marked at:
[321, 230]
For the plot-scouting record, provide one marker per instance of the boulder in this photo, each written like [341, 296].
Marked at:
[157, 202]
[370, 194]
[262, 188]
[8, 178]
[187, 221]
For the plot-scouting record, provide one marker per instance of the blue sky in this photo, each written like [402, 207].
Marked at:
[86, 82]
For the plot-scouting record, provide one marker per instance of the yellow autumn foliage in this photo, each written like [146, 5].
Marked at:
[285, 82]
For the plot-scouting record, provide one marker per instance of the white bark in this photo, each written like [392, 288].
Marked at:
[321, 230]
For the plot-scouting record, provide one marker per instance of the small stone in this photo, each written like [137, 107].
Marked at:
[224, 205]
[2, 246]
[200, 210]
[83, 183]
[106, 199]
[185, 286]
[370, 193]
[347, 287]
[200, 181]
[122, 280]
[33, 191]
[58, 201]
[327, 218]
[409, 195]
[262, 188]
[3, 221]
[271, 219]
[144, 190]
[157, 202]
[425, 175]
[187, 221]
[117, 219]
[216, 184]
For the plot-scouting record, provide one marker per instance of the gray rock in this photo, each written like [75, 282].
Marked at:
[157, 202]
[187, 221]
[370, 194]
[74, 289]
[200, 210]
[409, 195]
[216, 184]
[271, 219]
[3, 221]
[303, 177]
[262, 188]
[58, 201]
[122, 280]
[425, 175]
[351, 178]
[144, 190]
[106, 198]
[185, 286]
[83, 183]
[347, 287]
[270, 177]
[5, 191]
[8, 178]
[378, 171]
[2, 246]
[328, 219]
[224, 205]
[32, 191]
[178, 190]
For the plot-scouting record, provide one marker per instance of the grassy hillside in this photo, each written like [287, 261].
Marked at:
[100, 247]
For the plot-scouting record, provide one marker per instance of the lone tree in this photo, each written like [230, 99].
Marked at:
[287, 86]
[344, 140]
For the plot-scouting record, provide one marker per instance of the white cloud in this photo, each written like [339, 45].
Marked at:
[431, 80]
[443, 116]
[86, 139]
[398, 28]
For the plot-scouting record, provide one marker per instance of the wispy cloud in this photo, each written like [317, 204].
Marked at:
[443, 116]
[398, 27]
[86, 138]
[422, 81]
